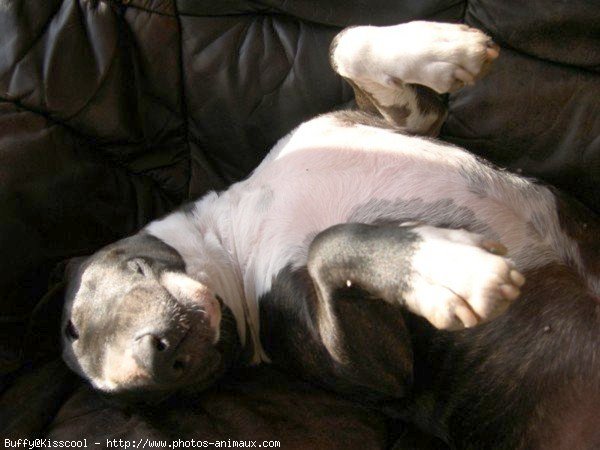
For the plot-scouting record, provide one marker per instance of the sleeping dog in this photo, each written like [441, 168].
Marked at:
[371, 259]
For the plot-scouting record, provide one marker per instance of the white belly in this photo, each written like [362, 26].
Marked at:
[323, 174]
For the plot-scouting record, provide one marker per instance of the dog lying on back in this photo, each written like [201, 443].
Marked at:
[370, 260]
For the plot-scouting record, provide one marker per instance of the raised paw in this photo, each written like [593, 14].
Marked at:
[441, 56]
[459, 279]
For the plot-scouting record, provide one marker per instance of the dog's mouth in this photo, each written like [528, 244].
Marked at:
[196, 365]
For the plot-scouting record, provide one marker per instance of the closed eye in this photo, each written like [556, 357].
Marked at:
[71, 331]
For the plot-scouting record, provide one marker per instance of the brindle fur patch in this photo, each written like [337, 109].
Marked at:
[428, 103]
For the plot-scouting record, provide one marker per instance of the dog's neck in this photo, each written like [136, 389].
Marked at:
[202, 234]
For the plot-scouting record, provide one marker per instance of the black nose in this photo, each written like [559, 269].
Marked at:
[158, 355]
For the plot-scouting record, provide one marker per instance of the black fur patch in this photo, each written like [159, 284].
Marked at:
[371, 333]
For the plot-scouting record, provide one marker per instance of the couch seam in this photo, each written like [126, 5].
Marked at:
[89, 140]
[35, 40]
[184, 111]
[101, 82]
[124, 5]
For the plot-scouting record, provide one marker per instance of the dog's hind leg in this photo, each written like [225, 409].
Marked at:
[339, 320]
[397, 72]
[453, 278]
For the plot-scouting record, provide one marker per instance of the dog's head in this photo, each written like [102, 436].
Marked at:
[136, 326]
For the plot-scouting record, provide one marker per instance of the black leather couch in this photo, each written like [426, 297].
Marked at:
[115, 112]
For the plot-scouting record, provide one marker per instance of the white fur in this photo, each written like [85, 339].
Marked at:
[206, 241]
[455, 282]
